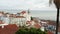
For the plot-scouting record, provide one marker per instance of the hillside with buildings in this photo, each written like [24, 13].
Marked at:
[25, 19]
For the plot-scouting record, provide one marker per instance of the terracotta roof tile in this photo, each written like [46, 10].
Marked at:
[1, 22]
[49, 32]
[23, 12]
[9, 29]
[28, 22]
[19, 17]
[37, 25]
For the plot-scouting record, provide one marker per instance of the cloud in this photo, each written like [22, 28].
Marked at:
[23, 4]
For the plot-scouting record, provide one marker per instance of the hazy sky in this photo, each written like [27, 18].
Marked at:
[26, 4]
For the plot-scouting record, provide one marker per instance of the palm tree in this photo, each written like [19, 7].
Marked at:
[57, 4]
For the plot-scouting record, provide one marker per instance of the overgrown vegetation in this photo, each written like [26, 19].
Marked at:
[30, 31]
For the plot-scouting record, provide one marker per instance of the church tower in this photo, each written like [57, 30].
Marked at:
[28, 17]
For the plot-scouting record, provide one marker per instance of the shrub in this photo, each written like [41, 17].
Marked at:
[30, 31]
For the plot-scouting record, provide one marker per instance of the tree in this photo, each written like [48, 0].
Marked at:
[57, 4]
[31, 18]
[30, 31]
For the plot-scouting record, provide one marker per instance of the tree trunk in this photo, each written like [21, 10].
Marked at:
[57, 21]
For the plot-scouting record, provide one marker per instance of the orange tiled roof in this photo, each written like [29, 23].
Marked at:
[2, 12]
[37, 25]
[28, 22]
[23, 12]
[1, 22]
[49, 32]
[9, 29]
[19, 17]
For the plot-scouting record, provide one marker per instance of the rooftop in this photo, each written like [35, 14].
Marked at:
[9, 29]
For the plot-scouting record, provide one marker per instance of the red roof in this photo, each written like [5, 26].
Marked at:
[37, 25]
[19, 17]
[9, 29]
[28, 22]
[49, 32]
[23, 12]
[2, 12]
[1, 22]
